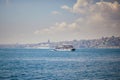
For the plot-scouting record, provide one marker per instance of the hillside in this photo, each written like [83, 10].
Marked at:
[104, 42]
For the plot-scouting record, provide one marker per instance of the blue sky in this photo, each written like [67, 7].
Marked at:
[32, 21]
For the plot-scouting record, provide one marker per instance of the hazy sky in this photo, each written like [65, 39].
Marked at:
[32, 21]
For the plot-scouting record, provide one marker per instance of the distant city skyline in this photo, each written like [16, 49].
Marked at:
[33, 21]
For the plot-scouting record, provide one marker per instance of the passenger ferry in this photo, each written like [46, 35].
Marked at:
[64, 48]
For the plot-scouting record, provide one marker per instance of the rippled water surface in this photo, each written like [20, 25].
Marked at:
[36, 64]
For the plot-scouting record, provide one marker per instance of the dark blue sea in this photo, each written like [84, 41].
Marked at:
[39, 64]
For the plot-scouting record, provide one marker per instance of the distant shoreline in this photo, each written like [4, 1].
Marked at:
[102, 43]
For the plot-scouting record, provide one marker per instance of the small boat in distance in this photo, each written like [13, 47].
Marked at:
[64, 48]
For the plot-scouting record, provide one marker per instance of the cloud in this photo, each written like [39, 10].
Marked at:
[79, 7]
[58, 31]
[66, 8]
[56, 28]
[56, 13]
[98, 19]
[102, 16]
[87, 6]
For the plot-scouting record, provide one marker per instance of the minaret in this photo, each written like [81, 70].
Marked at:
[48, 41]
[49, 44]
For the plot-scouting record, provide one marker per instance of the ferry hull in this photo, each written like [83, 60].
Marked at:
[64, 49]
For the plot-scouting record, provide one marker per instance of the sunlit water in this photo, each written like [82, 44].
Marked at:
[36, 64]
